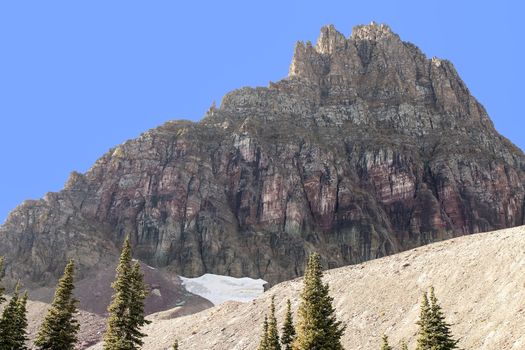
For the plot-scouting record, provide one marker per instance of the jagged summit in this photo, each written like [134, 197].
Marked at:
[374, 44]
[330, 39]
[339, 78]
[373, 31]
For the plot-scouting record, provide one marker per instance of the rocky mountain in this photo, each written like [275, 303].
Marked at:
[478, 280]
[367, 148]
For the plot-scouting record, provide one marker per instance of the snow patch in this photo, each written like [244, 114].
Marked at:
[218, 289]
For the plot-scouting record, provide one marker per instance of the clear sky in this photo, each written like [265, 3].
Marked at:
[79, 77]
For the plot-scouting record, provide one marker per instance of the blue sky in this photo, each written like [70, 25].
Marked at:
[79, 77]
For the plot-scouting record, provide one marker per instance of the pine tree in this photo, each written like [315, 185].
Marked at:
[404, 345]
[434, 331]
[175, 345]
[317, 326]
[273, 333]
[21, 322]
[385, 345]
[136, 306]
[441, 334]
[424, 340]
[60, 328]
[13, 323]
[288, 330]
[126, 311]
[263, 343]
[7, 326]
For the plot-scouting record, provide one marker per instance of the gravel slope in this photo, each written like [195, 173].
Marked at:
[479, 280]
[94, 293]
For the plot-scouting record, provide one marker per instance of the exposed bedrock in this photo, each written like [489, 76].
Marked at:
[367, 148]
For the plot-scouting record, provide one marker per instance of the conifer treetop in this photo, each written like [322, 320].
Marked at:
[434, 331]
[288, 330]
[385, 345]
[263, 343]
[126, 311]
[272, 341]
[13, 323]
[59, 330]
[317, 326]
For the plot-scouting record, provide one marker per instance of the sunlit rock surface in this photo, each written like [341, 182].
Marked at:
[367, 148]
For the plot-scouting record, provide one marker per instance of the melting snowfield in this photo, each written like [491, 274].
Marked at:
[218, 289]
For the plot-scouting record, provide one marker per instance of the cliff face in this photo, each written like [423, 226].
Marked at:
[367, 148]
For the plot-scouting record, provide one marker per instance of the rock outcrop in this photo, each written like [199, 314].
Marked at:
[367, 148]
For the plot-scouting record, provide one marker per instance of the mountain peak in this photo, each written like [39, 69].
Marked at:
[372, 31]
[374, 64]
[329, 40]
[356, 50]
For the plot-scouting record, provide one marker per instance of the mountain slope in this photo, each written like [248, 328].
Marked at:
[165, 291]
[478, 279]
[92, 326]
[367, 148]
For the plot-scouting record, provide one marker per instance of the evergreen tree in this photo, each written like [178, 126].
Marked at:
[424, 340]
[59, 328]
[136, 305]
[385, 345]
[125, 313]
[441, 334]
[263, 343]
[7, 326]
[434, 331]
[317, 326]
[404, 345]
[175, 345]
[288, 330]
[21, 322]
[13, 323]
[273, 333]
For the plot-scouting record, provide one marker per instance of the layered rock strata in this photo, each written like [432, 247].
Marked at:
[367, 148]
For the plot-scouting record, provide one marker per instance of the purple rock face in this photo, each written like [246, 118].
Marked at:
[367, 148]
